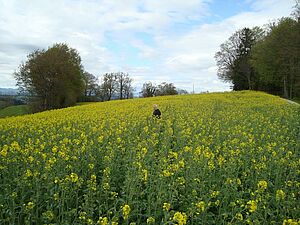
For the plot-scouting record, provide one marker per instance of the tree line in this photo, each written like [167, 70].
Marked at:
[266, 59]
[115, 85]
[55, 78]
[119, 86]
[150, 89]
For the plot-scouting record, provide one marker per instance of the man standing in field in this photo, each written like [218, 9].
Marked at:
[156, 111]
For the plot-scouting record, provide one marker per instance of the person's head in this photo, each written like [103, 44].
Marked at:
[155, 106]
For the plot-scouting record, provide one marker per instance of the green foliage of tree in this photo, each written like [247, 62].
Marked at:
[266, 60]
[116, 85]
[233, 59]
[166, 89]
[108, 86]
[124, 85]
[296, 11]
[276, 59]
[148, 90]
[53, 76]
[90, 84]
[181, 91]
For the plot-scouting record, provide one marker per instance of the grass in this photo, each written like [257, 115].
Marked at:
[20, 110]
[16, 110]
[3, 104]
[84, 103]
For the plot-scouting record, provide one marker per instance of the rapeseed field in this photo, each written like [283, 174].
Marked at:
[220, 158]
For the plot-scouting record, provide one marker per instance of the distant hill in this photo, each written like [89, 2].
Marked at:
[8, 91]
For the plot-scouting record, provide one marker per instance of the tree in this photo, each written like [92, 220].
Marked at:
[148, 90]
[53, 76]
[124, 85]
[276, 58]
[166, 89]
[109, 86]
[296, 16]
[182, 91]
[115, 86]
[296, 12]
[233, 60]
[128, 90]
[90, 84]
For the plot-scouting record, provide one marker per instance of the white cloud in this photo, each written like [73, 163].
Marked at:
[192, 55]
[180, 57]
[278, 6]
[178, 9]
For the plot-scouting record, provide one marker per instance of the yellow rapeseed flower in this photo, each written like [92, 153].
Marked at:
[262, 185]
[105, 186]
[290, 222]
[3, 152]
[102, 221]
[214, 194]
[280, 195]
[125, 211]
[239, 216]
[30, 205]
[103, 149]
[93, 177]
[49, 215]
[91, 166]
[200, 206]
[114, 194]
[166, 206]
[180, 218]
[252, 206]
[73, 177]
[28, 173]
[145, 175]
[166, 173]
[180, 180]
[150, 220]
[82, 215]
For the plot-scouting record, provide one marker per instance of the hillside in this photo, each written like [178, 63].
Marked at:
[211, 159]
[15, 110]
[19, 110]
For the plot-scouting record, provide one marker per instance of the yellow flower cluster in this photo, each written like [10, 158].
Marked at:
[125, 211]
[291, 222]
[200, 206]
[280, 195]
[262, 185]
[166, 206]
[180, 218]
[252, 205]
[150, 220]
[210, 159]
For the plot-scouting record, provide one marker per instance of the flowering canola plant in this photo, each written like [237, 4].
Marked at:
[220, 158]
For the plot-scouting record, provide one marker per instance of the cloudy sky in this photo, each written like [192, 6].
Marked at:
[153, 40]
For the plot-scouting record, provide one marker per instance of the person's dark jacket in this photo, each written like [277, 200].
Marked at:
[157, 113]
